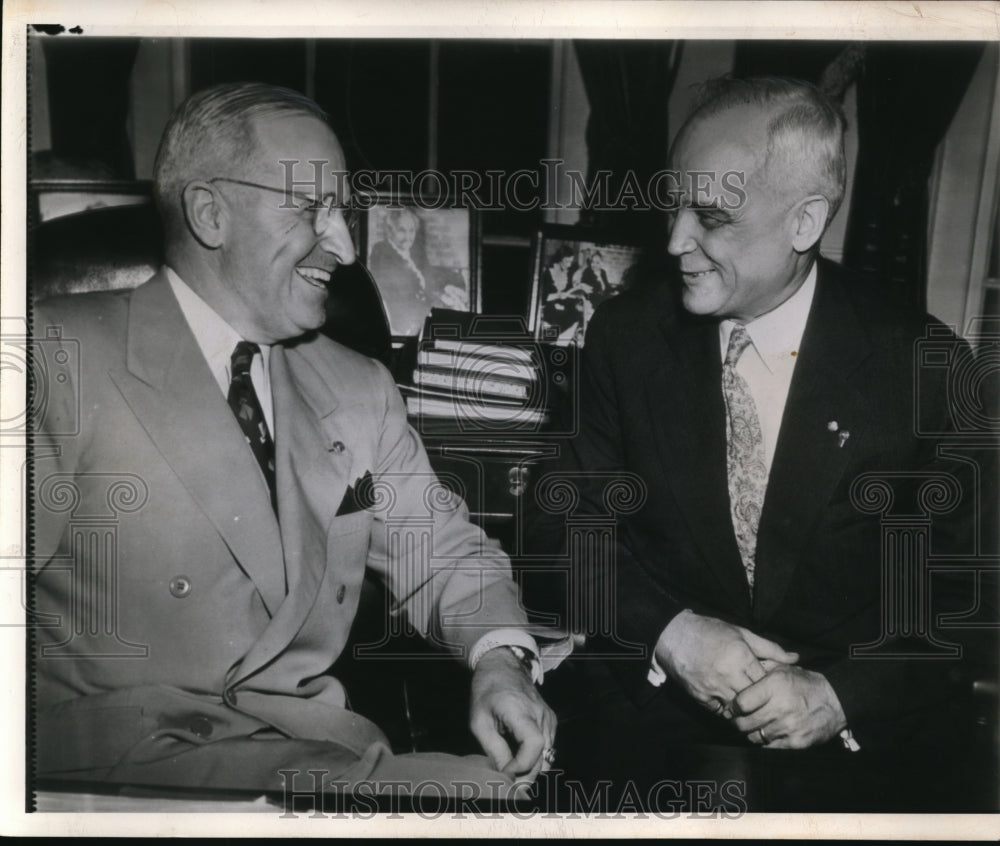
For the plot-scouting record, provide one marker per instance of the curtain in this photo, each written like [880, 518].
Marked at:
[907, 97]
[88, 90]
[628, 86]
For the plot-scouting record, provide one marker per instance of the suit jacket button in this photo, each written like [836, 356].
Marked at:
[201, 726]
[340, 594]
[337, 447]
[180, 586]
[230, 697]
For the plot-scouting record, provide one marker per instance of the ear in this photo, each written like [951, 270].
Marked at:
[204, 213]
[809, 218]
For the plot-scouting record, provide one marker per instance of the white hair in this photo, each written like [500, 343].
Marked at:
[212, 133]
[805, 131]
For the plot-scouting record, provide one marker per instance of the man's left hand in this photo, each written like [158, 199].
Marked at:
[790, 708]
[509, 717]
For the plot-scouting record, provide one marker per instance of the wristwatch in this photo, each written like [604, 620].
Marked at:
[532, 666]
[527, 659]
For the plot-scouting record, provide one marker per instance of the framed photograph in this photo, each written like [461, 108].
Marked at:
[574, 272]
[420, 258]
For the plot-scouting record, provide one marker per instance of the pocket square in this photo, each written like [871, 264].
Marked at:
[358, 496]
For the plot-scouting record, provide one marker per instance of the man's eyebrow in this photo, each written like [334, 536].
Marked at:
[333, 196]
[683, 198]
[711, 206]
[340, 194]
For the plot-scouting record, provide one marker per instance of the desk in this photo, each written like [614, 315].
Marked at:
[491, 464]
[706, 782]
[685, 759]
[716, 781]
[491, 473]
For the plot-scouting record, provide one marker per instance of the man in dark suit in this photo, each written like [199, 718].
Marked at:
[247, 471]
[760, 421]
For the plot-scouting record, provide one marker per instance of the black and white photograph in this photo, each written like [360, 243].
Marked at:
[683, 517]
[575, 273]
[420, 258]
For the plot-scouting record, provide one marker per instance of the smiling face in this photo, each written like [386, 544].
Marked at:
[277, 255]
[735, 262]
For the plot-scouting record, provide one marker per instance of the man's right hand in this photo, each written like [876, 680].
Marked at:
[714, 660]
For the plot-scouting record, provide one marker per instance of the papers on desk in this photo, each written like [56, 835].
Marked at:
[469, 376]
[434, 403]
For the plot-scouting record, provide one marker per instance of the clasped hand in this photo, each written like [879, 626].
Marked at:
[750, 680]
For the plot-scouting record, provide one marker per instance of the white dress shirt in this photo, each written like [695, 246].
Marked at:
[217, 340]
[768, 363]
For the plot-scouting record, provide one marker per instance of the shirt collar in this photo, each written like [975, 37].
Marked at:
[215, 337]
[777, 335]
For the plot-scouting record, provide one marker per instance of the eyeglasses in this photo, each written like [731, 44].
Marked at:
[317, 211]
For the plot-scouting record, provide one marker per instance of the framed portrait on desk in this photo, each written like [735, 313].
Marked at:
[422, 255]
[575, 270]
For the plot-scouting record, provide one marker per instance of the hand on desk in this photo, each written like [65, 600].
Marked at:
[509, 717]
[789, 708]
[714, 660]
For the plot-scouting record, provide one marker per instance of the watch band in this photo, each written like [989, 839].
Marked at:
[531, 662]
[532, 665]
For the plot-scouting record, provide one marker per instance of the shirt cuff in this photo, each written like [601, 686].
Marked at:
[850, 744]
[656, 676]
[508, 637]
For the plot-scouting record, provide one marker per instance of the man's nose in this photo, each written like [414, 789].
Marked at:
[682, 233]
[335, 236]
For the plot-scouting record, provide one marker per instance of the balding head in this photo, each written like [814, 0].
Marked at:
[796, 131]
[213, 133]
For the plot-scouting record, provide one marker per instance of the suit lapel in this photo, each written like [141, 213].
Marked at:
[313, 460]
[684, 393]
[809, 460]
[173, 394]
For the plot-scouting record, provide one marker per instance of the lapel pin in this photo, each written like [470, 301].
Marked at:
[842, 438]
[832, 426]
[337, 447]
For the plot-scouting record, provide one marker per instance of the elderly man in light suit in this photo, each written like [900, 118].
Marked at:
[259, 468]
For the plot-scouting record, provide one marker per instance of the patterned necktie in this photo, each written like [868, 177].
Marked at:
[245, 405]
[744, 453]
